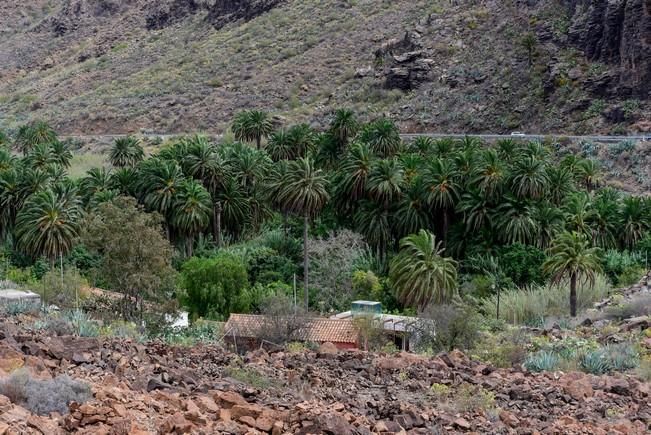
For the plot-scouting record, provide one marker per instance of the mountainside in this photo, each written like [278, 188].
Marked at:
[99, 66]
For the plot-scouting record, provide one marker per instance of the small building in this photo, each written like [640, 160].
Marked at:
[248, 331]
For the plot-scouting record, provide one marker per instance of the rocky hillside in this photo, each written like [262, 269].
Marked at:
[99, 66]
[153, 388]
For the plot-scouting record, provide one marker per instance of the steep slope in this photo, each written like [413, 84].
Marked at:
[97, 66]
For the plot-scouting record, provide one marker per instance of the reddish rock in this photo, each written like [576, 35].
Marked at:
[176, 424]
[509, 419]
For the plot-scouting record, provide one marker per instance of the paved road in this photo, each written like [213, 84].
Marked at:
[614, 139]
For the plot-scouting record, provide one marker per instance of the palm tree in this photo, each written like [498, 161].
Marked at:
[191, 211]
[352, 177]
[124, 180]
[48, 223]
[40, 156]
[10, 201]
[411, 213]
[385, 181]
[96, 180]
[589, 173]
[305, 193]
[233, 206]
[476, 210]
[571, 256]
[279, 146]
[580, 212]
[61, 153]
[529, 177]
[382, 136]
[423, 145]
[344, 126]
[606, 218]
[372, 220]
[252, 126]
[491, 174]
[515, 221]
[442, 189]
[302, 138]
[636, 220]
[159, 183]
[549, 221]
[37, 133]
[561, 184]
[420, 274]
[126, 152]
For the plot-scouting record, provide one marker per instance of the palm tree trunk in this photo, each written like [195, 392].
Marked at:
[573, 295]
[189, 244]
[258, 141]
[445, 226]
[306, 261]
[217, 223]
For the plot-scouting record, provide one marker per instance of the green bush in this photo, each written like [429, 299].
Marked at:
[615, 263]
[522, 263]
[630, 276]
[595, 362]
[63, 291]
[448, 327]
[214, 287]
[19, 307]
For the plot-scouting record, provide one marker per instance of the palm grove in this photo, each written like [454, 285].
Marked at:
[234, 222]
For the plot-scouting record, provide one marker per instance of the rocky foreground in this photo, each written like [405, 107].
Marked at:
[155, 388]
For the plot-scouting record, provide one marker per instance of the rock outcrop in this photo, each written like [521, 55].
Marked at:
[618, 33]
[197, 391]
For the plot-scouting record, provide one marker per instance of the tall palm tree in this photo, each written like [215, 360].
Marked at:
[549, 221]
[382, 136]
[423, 145]
[373, 221]
[352, 177]
[125, 181]
[571, 257]
[233, 206]
[529, 177]
[411, 213]
[10, 201]
[252, 126]
[442, 189]
[515, 221]
[96, 180]
[476, 210]
[159, 183]
[279, 146]
[40, 156]
[191, 211]
[61, 153]
[561, 184]
[48, 223]
[37, 133]
[302, 138]
[589, 173]
[579, 212]
[636, 220]
[344, 126]
[420, 274]
[126, 152]
[490, 175]
[305, 193]
[385, 181]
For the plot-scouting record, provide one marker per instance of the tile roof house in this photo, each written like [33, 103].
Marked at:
[247, 328]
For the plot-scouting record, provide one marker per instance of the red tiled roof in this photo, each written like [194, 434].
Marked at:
[318, 330]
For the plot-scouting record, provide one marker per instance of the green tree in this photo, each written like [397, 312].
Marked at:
[136, 259]
[305, 194]
[214, 287]
[191, 211]
[442, 189]
[382, 136]
[48, 223]
[571, 257]
[420, 273]
[344, 126]
[126, 152]
[252, 126]
[37, 133]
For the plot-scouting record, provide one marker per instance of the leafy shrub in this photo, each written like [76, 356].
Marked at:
[123, 329]
[439, 391]
[621, 147]
[446, 327]
[249, 376]
[542, 361]
[44, 396]
[522, 263]
[503, 350]
[62, 291]
[615, 263]
[473, 398]
[55, 324]
[214, 286]
[644, 370]
[630, 276]
[201, 331]
[622, 356]
[366, 285]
